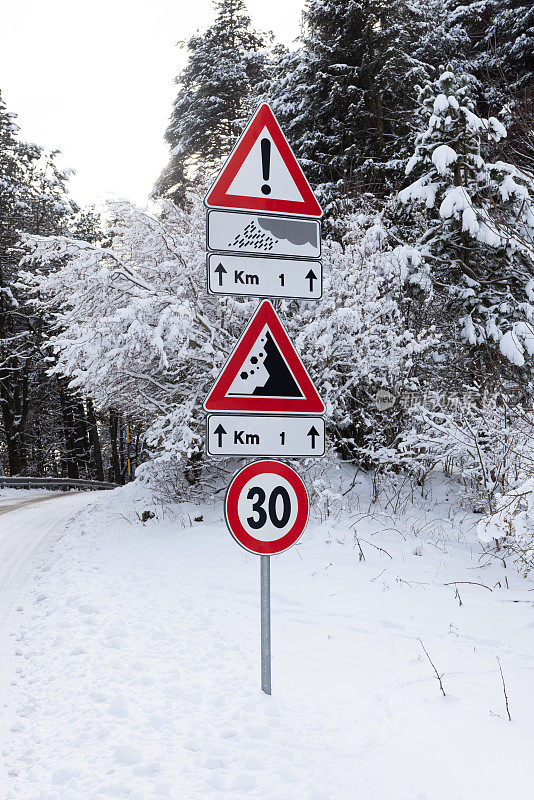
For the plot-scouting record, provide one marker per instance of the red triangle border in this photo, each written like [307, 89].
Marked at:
[309, 403]
[217, 196]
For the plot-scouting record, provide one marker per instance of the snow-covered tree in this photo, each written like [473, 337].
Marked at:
[134, 327]
[345, 97]
[491, 39]
[216, 93]
[33, 198]
[359, 345]
[136, 330]
[477, 222]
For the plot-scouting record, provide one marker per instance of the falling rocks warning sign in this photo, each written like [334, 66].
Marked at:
[264, 372]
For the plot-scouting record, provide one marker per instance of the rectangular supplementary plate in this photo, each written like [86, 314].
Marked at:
[254, 435]
[257, 234]
[262, 276]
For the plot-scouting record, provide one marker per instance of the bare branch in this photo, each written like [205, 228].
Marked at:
[504, 690]
[438, 676]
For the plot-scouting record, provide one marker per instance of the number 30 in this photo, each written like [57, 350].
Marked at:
[257, 507]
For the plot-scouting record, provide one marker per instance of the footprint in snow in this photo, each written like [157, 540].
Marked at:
[119, 706]
[158, 721]
[127, 754]
[215, 763]
[193, 746]
[243, 782]
[257, 732]
[216, 781]
[116, 631]
[218, 701]
[62, 776]
[254, 764]
[162, 789]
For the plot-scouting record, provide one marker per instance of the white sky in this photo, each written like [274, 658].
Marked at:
[95, 80]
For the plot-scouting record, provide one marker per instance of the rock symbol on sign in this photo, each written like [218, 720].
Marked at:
[264, 372]
[262, 173]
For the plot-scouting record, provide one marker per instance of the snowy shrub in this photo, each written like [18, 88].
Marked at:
[136, 329]
[512, 525]
[134, 326]
[357, 342]
[483, 439]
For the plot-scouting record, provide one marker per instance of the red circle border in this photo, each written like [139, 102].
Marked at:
[233, 522]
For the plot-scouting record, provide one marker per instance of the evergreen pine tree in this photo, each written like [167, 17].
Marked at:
[478, 222]
[16, 164]
[494, 41]
[345, 97]
[33, 198]
[215, 94]
[512, 38]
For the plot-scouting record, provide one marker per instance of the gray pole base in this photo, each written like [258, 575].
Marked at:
[265, 566]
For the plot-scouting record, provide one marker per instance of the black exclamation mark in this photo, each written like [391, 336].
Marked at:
[266, 164]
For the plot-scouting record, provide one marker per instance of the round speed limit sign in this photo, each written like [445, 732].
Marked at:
[266, 507]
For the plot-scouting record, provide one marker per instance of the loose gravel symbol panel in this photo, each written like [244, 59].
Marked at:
[241, 232]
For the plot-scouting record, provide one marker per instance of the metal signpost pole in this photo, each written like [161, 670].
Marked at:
[265, 591]
[266, 509]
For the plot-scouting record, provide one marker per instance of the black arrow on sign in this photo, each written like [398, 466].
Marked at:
[220, 270]
[220, 432]
[313, 432]
[311, 276]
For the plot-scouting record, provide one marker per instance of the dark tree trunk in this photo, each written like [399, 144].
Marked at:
[96, 450]
[13, 375]
[71, 462]
[115, 468]
[39, 456]
[122, 447]
[82, 438]
[14, 402]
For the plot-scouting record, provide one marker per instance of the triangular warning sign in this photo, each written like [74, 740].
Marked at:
[264, 373]
[262, 174]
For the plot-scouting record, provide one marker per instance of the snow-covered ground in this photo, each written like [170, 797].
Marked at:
[135, 670]
[30, 520]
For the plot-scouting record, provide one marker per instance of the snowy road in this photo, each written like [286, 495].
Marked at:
[27, 526]
[30, 521]
[24, 498]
